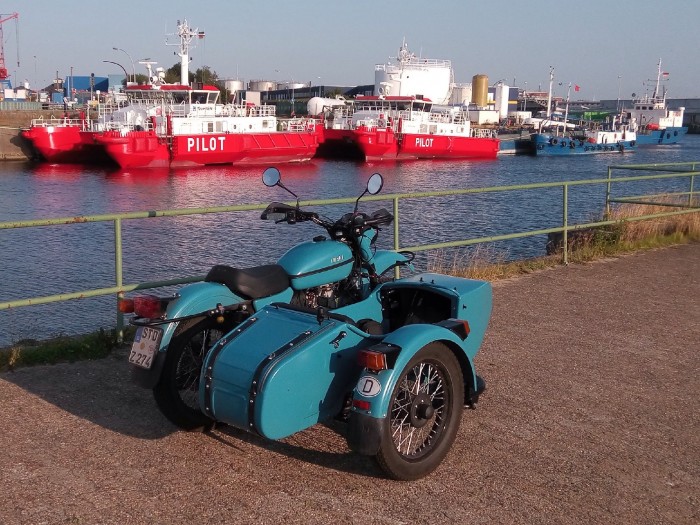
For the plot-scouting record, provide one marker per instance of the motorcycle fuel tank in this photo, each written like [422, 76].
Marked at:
[314, 263]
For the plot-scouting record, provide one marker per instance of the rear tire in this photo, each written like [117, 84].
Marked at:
[177, 391]
[424, 414]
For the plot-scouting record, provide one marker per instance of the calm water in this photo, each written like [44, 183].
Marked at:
[61, 259]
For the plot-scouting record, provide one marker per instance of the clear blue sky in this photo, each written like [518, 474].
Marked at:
[601, 45]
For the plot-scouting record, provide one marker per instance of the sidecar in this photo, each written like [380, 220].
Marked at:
[400, 376]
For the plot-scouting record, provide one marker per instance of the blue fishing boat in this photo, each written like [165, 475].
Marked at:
[653, 122]
[612, 137]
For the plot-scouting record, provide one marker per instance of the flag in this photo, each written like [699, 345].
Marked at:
[200, 34]
[577, 87]
[665, 73]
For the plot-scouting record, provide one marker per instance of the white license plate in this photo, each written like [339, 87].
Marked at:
[145, 346]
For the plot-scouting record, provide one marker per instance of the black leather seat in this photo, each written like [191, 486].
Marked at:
[250, 283]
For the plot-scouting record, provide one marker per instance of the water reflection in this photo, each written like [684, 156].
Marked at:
[61, 259]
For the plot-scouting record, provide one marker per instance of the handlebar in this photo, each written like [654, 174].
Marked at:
[351, 223]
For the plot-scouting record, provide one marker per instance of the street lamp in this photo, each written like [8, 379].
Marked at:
[126, 75]
[133, 70]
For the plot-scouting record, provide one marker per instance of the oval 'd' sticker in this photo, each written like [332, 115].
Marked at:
[369, 386]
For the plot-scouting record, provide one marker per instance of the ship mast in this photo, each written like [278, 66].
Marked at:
[186, 35]
[658, 80]
[549, 95]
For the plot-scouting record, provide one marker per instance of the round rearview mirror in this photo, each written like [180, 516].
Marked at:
[271, 177]
[375, 183]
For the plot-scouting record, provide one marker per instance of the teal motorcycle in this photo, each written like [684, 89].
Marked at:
[174, 334]
[393, 359]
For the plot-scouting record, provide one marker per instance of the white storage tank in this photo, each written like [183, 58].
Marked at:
[262, 85]
[461, 95]
[234, 86]
[317, 105]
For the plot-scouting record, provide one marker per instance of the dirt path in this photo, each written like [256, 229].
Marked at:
[589, 417]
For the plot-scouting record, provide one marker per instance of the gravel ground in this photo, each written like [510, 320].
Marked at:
[589, 417]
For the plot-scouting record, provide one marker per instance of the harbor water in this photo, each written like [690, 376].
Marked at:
[63, 259]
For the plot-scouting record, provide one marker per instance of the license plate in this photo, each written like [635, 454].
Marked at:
[145, 346]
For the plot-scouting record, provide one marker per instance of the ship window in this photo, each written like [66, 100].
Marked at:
[210, 127]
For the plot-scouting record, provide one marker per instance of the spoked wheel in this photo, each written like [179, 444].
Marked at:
[177, 391]
[424, 414]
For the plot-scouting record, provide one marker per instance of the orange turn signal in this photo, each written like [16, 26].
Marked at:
[372, 360]
[126, 306]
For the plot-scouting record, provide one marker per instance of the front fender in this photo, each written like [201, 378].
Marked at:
[384, 260]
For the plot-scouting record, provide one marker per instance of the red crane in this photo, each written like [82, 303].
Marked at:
[3, 19]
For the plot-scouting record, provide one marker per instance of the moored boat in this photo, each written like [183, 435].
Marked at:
[177, 126]
[409, 127]
[613, 138]
[655, 123]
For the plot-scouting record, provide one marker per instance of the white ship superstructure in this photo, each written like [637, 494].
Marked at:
[410, 75]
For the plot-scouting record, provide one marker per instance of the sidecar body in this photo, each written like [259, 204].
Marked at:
[287, 368]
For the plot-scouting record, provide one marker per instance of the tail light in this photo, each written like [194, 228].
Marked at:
[148, 306]
[361, 404]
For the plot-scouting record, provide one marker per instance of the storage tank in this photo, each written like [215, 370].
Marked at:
[461, 95]
[316, 105]
[234, 86]
[480, 90]
[262, 85]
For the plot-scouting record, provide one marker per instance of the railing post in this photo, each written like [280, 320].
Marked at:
[690, 193]
[566, 223]
[607, 194]
[118, 276]
[397, 244]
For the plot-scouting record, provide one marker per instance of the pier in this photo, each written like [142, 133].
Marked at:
[589, 416]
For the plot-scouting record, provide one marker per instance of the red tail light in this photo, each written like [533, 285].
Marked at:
[362, 405]
[150, 306]
[372, 360]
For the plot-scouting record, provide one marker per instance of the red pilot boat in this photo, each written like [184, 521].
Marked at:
[409, 127]
[177, 126]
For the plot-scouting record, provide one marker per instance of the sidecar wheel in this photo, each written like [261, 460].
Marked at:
[424, 414]
[177, 391]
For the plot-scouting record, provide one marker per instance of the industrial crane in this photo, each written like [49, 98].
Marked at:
[3, 19]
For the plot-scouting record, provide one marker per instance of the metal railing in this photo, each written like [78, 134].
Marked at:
[668, 171]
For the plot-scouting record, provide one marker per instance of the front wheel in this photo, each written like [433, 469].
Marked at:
[424, 414]
[177, 391]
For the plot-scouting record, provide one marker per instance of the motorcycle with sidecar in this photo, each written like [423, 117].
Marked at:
[394, 360]
[175, 333]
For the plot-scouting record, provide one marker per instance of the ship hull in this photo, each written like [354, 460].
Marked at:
[546, 145]
[145, 149]
[66, 145]
[385, 145]
[660, 137]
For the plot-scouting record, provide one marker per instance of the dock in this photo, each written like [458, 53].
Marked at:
[590, 416]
